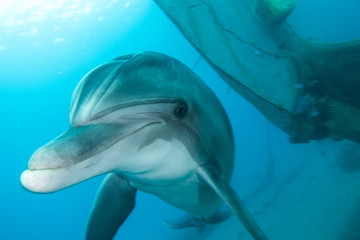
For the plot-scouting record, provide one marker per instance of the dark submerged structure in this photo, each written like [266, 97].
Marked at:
[309, 90]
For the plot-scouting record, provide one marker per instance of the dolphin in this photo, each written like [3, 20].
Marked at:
[152, 125]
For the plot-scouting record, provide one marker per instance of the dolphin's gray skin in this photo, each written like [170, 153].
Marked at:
[153, 125]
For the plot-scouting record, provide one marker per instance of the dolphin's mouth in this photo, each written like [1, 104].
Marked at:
[80, 153]
[71, 157]
[81, 143]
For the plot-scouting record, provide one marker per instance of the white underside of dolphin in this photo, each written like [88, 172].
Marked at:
[152, 125]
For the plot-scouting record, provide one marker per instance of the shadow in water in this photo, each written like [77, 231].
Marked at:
[348, 157]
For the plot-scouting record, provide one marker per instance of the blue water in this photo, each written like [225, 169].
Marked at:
[45, 51]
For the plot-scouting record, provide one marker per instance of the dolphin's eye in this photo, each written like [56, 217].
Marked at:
[180, 110]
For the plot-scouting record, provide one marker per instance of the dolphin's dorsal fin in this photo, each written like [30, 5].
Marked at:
[114, 202]
[209, 175]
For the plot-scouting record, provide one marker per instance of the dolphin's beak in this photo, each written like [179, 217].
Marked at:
[76, 155]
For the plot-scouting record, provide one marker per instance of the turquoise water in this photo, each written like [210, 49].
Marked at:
[46, 49]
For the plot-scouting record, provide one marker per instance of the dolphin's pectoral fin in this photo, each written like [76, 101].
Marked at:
[114, 202]
[221, 215]
[186, 221]
[200, 223]
[209, 175]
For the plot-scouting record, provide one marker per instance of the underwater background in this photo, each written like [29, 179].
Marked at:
[304, 191]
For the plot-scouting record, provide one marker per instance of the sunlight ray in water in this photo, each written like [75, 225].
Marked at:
[23, 17]
[57, 28]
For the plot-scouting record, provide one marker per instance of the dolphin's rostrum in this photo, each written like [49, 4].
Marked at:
[150, 123]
